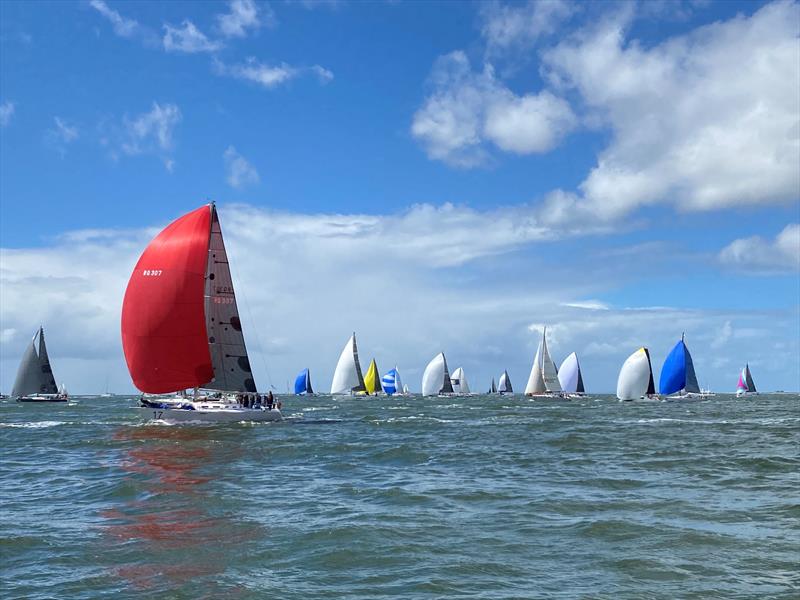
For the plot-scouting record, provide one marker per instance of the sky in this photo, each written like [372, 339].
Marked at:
[435, 176]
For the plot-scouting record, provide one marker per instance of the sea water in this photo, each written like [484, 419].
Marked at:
[479, 497]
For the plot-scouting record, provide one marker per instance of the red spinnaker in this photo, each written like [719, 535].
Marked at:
[163, 315]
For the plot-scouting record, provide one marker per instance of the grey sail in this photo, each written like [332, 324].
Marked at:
[751, 386]
[232, 372]
[691, 377]
[361, 387]
[34, 375]
[447, 385]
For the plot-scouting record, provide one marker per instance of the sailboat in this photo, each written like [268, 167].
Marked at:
[347, 378]
[492, 387]
[393, 384]
[746, 386]
[302, 383]
[678, 380]
[570, 377]
[436, 378]
[181, 328]
[504, 385]
[406, 390]
[372, 380]
[459, 381]
[636, 377]
[543, 381]
[35, 381]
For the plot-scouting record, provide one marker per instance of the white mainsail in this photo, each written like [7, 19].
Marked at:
[436, 379]
[543, 377]
[348, 378]
[636, 376]
[459, 381]
[569, 375]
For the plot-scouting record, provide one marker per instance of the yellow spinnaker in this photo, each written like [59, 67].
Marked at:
[372, 380]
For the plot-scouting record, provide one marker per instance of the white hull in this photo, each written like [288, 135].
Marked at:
[741, 394]
[210, 414]
[548, 396]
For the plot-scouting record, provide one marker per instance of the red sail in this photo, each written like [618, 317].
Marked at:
[163, 314]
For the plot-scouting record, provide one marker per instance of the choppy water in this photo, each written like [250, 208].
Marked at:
[369, 498]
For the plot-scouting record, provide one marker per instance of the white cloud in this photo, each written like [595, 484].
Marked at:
[60, 136]
[188, 39]
[519, 25]
[269, 76]
[441, 292]
[6, 112]
[467, 109]
[705, 121]
[123, 27]
[240, 173]
[587, 304]
[725, 333]
[757, 255]
[150, 132]
[243, 15]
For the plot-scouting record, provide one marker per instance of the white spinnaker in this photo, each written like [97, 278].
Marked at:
[504, 385]
[459, 380]
[346, 377]
[634, 376]
[433, 377]
[568, 374]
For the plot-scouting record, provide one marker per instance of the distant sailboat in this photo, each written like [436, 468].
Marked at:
[436, 378]
[493, 387]
[504, 385]
[543, 380]
[406, 391]
[302, 383]
[677, 374]
[636, 377]
[181, 328]
[392, 384]
[35, 381]
[372, 380]
[570, 377]
[459, 381]
[746, 386]
[347, 379]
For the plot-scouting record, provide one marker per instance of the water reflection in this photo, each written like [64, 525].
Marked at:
[177, 532]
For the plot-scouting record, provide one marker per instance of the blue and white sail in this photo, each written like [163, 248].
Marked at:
[302, 384]
[391, 382]
[677, 374]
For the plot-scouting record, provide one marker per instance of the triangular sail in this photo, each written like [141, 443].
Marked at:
[34, 375]
[544, 376]
[636, 376]
[391, 382]
[447, 385]
[505, 384]
[493, 388]
[741, 386]
[751, 386]
[232, 372]
[651, 386]
[459, 381]
[348, 378]
[372, 380]
[302, 383]
[436, 378]
[581, 389]
[678, 371]
[569, 374]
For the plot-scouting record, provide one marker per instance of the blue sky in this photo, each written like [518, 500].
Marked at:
[467, 172]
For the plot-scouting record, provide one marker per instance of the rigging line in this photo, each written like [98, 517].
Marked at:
[252, 322]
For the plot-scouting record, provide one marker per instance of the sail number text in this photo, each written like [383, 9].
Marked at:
[152, 272]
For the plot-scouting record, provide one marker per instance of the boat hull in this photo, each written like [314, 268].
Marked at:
[42, 399]
[209, 415]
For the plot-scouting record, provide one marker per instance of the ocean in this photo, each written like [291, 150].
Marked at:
[480, 497]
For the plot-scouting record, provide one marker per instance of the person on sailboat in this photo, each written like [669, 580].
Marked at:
[270, 400]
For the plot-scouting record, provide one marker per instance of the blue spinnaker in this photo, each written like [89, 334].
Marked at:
[302, 385]
[673, 373]
[389, 382]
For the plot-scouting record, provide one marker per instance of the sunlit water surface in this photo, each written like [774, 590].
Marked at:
[482, 497]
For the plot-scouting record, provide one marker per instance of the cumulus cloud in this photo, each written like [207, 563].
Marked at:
[467, 110]
[269, 76]
[757, 255]
[240, 173]
[188, 39]
[447, 293]
[705, 121]
[520, 25]
[243, 15]
[6, 112]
